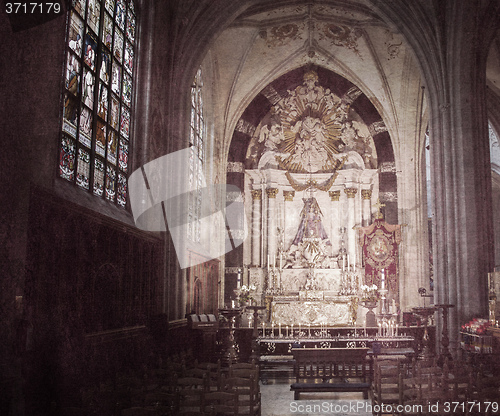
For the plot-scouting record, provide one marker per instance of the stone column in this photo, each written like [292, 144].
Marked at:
[366, 195]
[351, 221]
[256, 226]
[336, 222]
[288, 197]
[271, 223]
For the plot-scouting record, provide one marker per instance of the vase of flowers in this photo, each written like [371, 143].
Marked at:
[370, 296]
[245, 296]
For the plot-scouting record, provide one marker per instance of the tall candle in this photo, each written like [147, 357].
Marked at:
[239, 279]
[383, 279]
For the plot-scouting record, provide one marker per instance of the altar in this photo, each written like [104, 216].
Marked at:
[309, 181]
[312, 309]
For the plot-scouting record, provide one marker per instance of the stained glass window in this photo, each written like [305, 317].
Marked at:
[97, 97]
[196, 141]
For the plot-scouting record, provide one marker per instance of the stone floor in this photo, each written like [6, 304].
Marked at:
[277, 400]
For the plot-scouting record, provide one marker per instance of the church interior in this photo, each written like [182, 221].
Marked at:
[195, 185]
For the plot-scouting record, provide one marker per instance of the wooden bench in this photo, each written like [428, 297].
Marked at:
[331, 370]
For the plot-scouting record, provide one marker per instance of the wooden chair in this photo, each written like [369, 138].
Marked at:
[385, 386]
[247, 392]
[190, 392]
[220, 403]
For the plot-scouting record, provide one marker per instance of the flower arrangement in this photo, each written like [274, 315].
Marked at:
[245, 294]
[369, 293]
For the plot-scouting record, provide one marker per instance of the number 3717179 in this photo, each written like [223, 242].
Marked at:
[32, 8]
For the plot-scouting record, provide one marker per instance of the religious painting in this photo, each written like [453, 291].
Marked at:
[380, 247]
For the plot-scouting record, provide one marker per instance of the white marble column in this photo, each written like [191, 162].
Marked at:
[351, 221]
[287, 199]
[335, 221]
[366, 195]
[271, 224]
[256, 226]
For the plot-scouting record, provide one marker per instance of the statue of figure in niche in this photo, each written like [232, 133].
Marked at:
[311, 244]
[310, 225]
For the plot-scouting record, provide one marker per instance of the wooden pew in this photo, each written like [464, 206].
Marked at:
[331, 370]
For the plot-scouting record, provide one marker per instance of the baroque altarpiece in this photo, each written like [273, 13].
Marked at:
[311, 184]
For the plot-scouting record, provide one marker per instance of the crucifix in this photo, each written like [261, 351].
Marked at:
[379, 206]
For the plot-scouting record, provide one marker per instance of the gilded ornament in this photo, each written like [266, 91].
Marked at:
[350, 192]
[288, 195]
[256, 194]
[334, 195]
[272, 192]
[366, 194]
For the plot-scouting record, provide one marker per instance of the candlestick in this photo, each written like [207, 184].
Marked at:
[263, 329]
[287, 333]
[239, 279]
[383, 280]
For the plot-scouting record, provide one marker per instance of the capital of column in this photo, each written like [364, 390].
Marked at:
[334, 195]
[350, 192]
[256, 194]
[366, 193]
[272, 192]
[288, 195]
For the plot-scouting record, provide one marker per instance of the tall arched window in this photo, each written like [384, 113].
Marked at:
[197, 143]
[97, 97]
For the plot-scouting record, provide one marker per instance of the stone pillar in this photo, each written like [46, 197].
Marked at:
[336, 222]
[287, 197]
[271, 223]
[351, 221]
[256, 226]
[366, 195]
